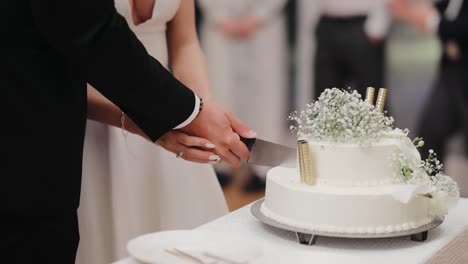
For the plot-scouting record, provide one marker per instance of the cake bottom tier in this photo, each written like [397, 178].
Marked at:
[360, 210]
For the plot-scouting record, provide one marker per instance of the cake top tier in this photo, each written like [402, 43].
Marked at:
[341, 116]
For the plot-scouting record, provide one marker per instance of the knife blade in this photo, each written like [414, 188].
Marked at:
[266, 153]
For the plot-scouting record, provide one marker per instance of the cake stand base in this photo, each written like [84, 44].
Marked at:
[306, 239]
[309, 237]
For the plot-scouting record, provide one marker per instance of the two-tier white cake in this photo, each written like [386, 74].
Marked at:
[379, 185]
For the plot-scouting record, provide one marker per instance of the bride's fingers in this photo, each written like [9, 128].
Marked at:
[189, 148]
[191, 141]
[229, 157]
[197, 155]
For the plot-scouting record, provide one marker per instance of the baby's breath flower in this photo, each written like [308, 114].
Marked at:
[340, 116]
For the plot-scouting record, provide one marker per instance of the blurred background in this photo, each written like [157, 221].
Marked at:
[408, 60]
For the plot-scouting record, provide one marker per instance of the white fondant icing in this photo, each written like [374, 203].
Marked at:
[340, 209]
[344, 230]
[353, 164]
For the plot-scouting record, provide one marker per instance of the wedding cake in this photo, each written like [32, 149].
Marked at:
[356, 173]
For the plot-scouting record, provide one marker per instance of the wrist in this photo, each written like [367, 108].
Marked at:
[205, 103]
[200, 107]
[202, 110]
[128, 126]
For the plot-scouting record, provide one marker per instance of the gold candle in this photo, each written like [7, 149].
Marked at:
[381, 98]
[370, 95]
[305, 163]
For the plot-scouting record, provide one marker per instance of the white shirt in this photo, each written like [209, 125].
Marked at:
[194, 114]
[378, 18]
[453, 9]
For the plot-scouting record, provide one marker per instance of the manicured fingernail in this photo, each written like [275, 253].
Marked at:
[252, 134]
[214, 157]
[210, 146]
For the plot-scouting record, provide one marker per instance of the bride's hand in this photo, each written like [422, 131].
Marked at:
[189, 148]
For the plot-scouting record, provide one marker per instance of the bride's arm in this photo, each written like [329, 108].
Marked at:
[102, 110]
[186, 58]
[195, 149]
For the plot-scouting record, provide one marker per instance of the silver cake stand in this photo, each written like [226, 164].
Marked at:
[309, 237]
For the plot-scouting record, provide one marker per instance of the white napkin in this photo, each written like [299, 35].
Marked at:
[214, 256]
[218, 254]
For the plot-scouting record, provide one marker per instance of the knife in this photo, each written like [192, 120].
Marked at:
[266, 153]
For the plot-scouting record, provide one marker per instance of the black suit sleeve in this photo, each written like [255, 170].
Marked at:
[97, 43]
[456, 29]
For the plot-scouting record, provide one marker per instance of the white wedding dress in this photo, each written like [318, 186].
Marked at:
[132, 187]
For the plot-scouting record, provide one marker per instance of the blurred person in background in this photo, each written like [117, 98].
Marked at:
[305, 47]
[446, 111]
[350, 38]
[130, 186]
[245, 43]
[291, 13]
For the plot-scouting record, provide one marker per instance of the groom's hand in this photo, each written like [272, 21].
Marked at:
[223, 129]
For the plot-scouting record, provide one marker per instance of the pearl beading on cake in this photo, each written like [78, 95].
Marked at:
[346, 230]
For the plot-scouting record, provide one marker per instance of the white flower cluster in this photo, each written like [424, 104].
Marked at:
[403, 166]
[340, 116]
[434, 169]
[432, 165]
[427, 172]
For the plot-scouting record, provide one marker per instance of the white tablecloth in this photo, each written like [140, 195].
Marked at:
[446, 244]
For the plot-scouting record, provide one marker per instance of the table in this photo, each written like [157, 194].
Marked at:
[446, 244]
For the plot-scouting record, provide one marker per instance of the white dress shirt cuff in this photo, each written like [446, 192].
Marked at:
[432, 23]
[194, 114]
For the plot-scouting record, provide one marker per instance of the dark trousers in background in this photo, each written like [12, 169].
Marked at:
[446, 111]
[39, 239]
[345, 57]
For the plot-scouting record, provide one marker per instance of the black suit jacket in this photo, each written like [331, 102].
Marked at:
[454, 30]
[49, 49]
